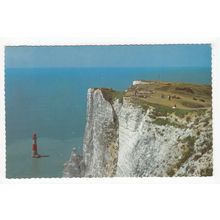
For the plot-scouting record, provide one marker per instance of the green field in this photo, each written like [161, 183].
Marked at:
[178, 96]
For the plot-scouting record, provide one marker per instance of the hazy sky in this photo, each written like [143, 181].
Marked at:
[108, 56]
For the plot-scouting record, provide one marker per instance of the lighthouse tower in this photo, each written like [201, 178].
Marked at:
[34, 146]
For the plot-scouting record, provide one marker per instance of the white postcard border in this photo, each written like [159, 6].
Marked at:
[68, 42]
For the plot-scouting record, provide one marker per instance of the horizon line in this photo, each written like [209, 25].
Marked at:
[73, 67]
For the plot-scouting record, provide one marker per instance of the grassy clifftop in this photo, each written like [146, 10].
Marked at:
[179, 95]
[111, 95]
[165, 96]
[172, 100]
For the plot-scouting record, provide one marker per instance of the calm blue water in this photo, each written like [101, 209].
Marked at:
[52, 102]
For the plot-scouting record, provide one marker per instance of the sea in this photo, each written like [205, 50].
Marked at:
[52, 102]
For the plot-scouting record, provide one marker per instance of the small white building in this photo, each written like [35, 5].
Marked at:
[138, 82]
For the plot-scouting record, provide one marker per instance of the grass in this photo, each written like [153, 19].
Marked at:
[192, 104]
[160, 110]
[182, 112]
[189, 140]
[186, 154]
[118, 95]
[207, 144]
[200, 111]
[111, 95]
[199, 90]
[206, 172]
[181, 95]
[139, 102]
[161, 121]
[188, 118]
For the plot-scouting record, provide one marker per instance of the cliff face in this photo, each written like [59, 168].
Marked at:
[125, 138]
[100, 145]
[148, 147]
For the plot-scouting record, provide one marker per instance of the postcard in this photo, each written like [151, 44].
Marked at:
[81, 111]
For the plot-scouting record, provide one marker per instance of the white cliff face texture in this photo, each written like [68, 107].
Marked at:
[150, 149]
[101, 136]
[100, 145]
[126, 140]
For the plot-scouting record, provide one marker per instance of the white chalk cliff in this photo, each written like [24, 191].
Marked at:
[123, 139]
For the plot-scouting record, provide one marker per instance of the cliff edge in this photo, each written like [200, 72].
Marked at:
[151, 129]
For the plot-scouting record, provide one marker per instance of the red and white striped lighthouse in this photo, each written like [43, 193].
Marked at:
[34, 146]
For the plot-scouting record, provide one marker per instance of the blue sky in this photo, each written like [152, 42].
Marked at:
[108, 56]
